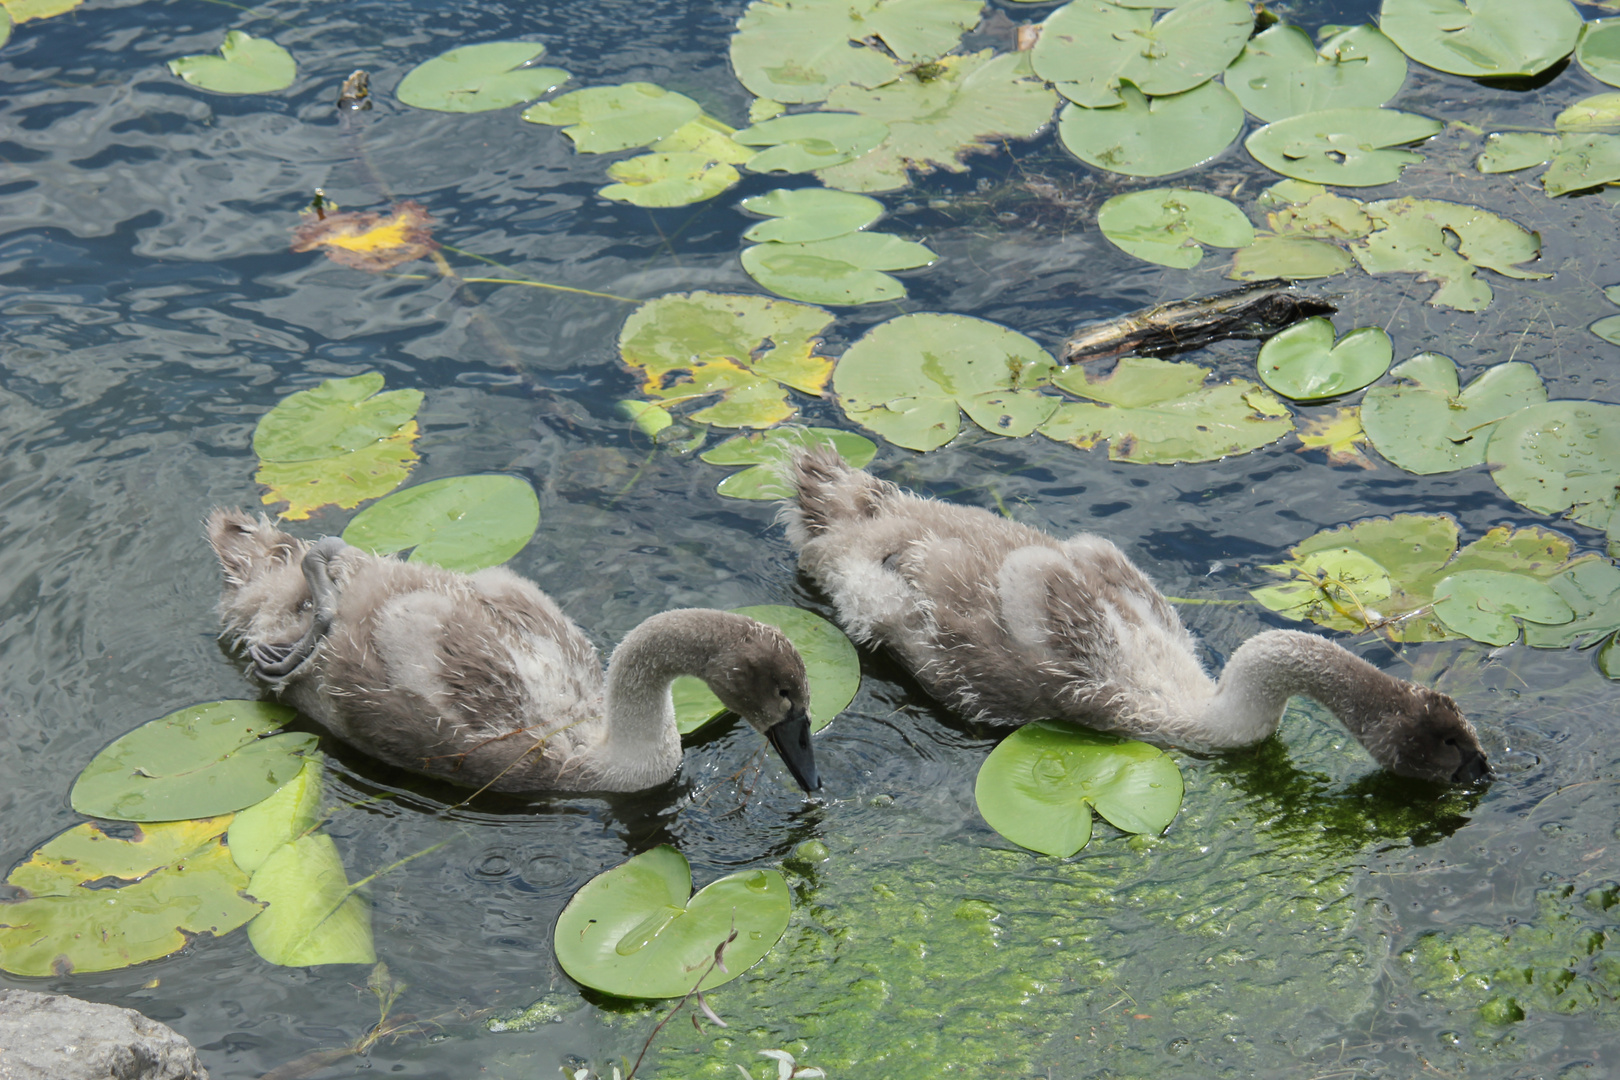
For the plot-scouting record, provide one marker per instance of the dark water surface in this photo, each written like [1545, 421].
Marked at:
[152, 312]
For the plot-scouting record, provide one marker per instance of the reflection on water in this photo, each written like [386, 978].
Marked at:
[152, 312]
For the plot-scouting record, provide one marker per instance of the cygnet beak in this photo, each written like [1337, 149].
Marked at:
[791, 737]
[1473, 769]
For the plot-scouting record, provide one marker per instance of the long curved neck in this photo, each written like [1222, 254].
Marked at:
[1272, 667]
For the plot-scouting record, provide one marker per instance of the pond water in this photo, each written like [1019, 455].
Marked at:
[1287, 925]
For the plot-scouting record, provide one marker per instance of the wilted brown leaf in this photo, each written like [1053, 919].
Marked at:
[369, 241]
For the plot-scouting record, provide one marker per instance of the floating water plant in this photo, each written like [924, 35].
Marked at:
[245, 65]
[830, 664]
[1599, 50]
[766, 452]
[1349, 147]
[635, 931]
[1485, 605]
[201, 761]
[342, 442]
[805, 142]
[1089, 49]
[366, 240]
[745, 352]
[478, 78]
[1304, 363]
[1280, 73]
[1145, 136]
[1427, 425]
[802, 215]
[1483, 38]
[1561, 457]
[1039, 786]
[602, 119]
[461, 523]
[845, 269]
[1168, 225]
[1158, 411]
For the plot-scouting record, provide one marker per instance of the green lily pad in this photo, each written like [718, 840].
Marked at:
[800, 50]
[706, 136]
[1591, 588]
[478, 78]
[830, 664]
[1561, 457]
[1040, 785]
[1293, 257]
[1303, 362]
[807, 214]
[198, 762]
[1153, 137]
[1608, 329]
[245, 65]
[1156, 411]
[808, 141]
[1413, 553]
[1316, 213]
[633, 932]
[1089, 49]
[1347, 147]
[5, 26]
[747, 351]
[1482, 604]
[1583, 161]
[845, 269]
[765, 452]
[1600, 112]
[602, 119]
[940, 113]
[1514, 150]
[1281, 74]
[668, 179]
[1429, 426]
[1483, 38]
[460, 522]
[1599, 50]
[293, 810]
[157, 886]
[1414, 236]
[312, 915]
[340, 443]
[907, 379]
[1167, 225]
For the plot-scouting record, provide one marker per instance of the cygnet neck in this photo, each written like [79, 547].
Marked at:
[640, 710]
[1274, 666]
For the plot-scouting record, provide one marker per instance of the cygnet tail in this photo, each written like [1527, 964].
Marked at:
[828, 492]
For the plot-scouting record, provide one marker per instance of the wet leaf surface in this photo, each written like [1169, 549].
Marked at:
[201, 761]
[1483, 38]
[462, 523]
[909, 379]
[1295, 258]
[1561, 457]
[632, 931]
[478, 78]
[830, 664]
[1412, 237]
[1156, 411]
[289, 812]
[369, 241]
[1167, 225]
[1339, 433]
[1428, 425]
[1583, 161]
[1347, 147]
[747, 351]
[1089, 48]
[1514, 150]
[1599, 50]
[1280, 73]
[311, 914]
[21, 11]
[1039, 786]
[807, 214]
[808, 141]
[1304, 363]
[844, 269]
[668, 179]
[764, 452]
[1153, 136]
[245, 65]
[602, 119]
[1483, 604]
[157, 886]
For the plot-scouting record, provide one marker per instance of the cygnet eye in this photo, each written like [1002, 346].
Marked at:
[1451, 741]
[304, 605]
[784, 692]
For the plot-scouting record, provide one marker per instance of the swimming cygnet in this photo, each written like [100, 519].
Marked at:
[479, 678]
[1003, 622]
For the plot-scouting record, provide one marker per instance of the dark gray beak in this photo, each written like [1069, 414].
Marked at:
[791, 738]
[1473, 769]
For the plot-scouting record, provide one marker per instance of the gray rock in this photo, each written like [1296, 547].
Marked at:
[56, 1037]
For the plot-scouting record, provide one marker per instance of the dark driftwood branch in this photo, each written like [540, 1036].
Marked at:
[1256, 310]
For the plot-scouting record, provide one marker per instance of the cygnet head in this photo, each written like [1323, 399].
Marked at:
[1425, 736]
[265, 597]
[760, 677]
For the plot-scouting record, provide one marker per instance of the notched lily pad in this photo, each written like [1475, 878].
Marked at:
[1599, 50]
[1280, 73]
[156, 887]
[677, 179]
[633, 932]
[765, 452]
[803, 215]
[1167, 225]
[1090, 48]
[1412, 236]
[602, 119]
[830, 664]
[844, 269]
[1581, 162]
[1483, 38]
[461, 523]
[744, 350]
[1157, 411]
[245, 65]
[1428, 425]
[1561, 457]
[1295, 258]
[1302, 362]
[1040, 785]
[478, 78]
[1153, 136]
[909, 379]
[1514, 150]
[1482, 604]
[808, 141]
[201, 761]
[1347, 147]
